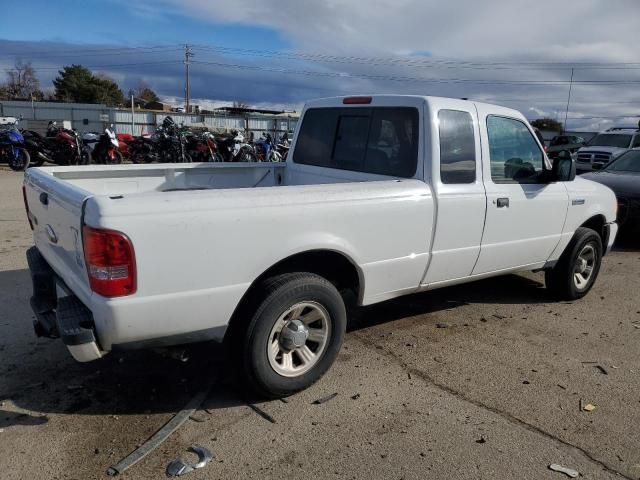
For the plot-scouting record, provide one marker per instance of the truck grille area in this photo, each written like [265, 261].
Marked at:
[594, 157]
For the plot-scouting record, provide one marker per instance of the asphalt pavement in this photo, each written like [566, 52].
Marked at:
[480, 381]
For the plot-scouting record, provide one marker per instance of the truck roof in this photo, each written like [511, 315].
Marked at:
[398, 99]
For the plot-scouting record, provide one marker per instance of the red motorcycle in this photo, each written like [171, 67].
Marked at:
[203, 148]
[125, 140]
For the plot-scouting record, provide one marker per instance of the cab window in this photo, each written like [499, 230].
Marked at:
[515, 156]
[380, 140]
[457, 147]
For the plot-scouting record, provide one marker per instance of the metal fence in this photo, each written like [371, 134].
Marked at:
[96, 117]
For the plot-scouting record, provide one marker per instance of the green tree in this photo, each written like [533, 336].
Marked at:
[548, 124]
[107, 91]
[76, 83]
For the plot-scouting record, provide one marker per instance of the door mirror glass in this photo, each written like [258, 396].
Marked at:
[564, 168]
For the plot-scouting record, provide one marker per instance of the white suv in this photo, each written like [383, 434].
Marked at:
[605, 147]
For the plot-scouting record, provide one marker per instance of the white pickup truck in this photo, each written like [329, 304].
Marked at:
[381, 195]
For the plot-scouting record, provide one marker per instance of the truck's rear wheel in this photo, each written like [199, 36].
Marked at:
[294, 334]
[578, 267]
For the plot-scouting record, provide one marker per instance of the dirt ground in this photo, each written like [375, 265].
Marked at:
[481, 381]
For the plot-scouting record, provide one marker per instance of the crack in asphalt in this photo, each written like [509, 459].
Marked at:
[503, 414]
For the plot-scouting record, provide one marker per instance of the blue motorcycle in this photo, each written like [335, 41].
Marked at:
[12, 148]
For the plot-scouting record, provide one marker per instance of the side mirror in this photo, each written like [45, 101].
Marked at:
[564, 168]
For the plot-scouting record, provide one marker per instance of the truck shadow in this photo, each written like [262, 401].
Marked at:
[508, 289]
[39, 376]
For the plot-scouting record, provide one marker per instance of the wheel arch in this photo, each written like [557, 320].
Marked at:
[597, 223]
[335, 266]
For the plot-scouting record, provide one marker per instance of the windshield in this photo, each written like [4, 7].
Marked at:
[627, 162]
[611, 140]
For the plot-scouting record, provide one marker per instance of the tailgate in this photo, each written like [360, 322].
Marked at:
[56, 209]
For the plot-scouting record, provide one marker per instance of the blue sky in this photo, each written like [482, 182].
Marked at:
[118, 23]
[280, 53]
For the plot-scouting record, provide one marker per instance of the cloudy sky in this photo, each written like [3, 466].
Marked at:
[282, 52]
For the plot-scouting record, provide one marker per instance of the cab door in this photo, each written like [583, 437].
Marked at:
[525, 214]
[458, 184]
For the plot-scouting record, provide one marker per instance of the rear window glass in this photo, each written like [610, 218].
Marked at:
[611, 140]
[380, 140]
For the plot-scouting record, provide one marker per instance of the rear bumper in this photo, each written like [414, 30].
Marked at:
[65, 317]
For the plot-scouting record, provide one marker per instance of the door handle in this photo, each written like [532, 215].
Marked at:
[502, 202]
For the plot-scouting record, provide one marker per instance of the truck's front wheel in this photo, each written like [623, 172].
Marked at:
[294, 334]
[578, 267]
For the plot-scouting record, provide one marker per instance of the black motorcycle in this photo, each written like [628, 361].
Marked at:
[171, 142]
[60, 146]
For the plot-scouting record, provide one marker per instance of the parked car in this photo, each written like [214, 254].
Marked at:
[606, 146]
[383, 196]
[623, 176]
[570, 143]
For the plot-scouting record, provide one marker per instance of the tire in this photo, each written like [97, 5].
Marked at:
[36, 163]
[304, 295]
[86, 158]
[138, 158]
[22, 162]
[568, 280]
[246, 155]
[116, 160]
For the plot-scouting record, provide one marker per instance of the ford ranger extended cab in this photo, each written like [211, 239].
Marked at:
[381, 195]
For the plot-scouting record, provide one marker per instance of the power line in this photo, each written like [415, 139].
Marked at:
[116, 65]
[55, 52]
[404, 61]
[400, 78]
[376, 61]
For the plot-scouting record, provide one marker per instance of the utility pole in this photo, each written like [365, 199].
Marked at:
[566, 112]
[187, 93]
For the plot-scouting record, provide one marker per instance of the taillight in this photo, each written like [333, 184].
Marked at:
[26, 205]
[356, 100]
[110, 260]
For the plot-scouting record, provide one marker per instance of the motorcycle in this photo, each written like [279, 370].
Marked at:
[265, 150]
[125, 140]
[171, 142]
[143, 149]
[12, 148]
[103, 148]
[282, 147]
[35, 145]
[203, 148]
[60, 146]
[235, 149]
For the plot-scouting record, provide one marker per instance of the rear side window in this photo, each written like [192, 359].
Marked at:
[380, 140]
[457, 147]
[636, 142]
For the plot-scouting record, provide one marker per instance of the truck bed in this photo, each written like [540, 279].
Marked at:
[131, 179]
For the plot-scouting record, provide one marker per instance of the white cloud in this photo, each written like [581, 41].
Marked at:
[456, 28]
[539, 32]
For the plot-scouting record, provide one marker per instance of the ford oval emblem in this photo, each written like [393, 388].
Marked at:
[51, 234]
